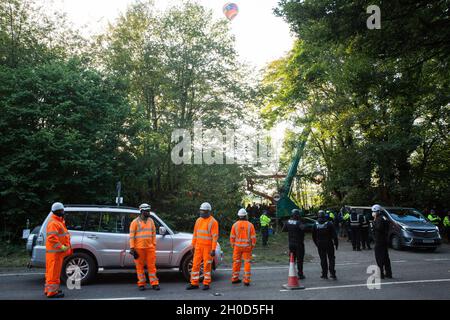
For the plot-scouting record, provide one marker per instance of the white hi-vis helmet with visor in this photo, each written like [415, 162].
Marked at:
[376, 208]
[205, 206]
[57, 206]
[145, 207]
[242, 213]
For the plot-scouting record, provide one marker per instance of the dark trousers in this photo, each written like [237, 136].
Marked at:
[382, 258]
[349, 232]
[365, 238]
[327, 260]
[356, 237]
[447, 230]
[265, 235]
[299, 255]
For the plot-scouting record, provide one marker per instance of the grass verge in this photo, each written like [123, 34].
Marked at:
[276, 252]
[13, 255]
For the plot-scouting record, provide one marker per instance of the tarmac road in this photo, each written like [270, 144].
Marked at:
[418, 275]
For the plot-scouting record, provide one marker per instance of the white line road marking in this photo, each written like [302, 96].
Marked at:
[21, 274]
[130, 298]
[399, 261]
[347, 263]
[365, 284]
[259, 268]
[438, 259]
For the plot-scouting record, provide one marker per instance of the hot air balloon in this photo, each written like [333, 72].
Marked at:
[230, 10]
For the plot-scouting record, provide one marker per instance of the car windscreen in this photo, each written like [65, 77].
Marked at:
[406, 215]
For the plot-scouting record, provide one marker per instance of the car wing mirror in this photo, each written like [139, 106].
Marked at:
[162, 231]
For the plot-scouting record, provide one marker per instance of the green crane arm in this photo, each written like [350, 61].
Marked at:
[285, 204]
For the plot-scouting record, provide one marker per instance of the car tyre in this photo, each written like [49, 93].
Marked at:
[186, 266]
[85, 262]
[396, 242]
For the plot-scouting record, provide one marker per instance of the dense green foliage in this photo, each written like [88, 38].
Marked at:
[77, 117]
[378, 100]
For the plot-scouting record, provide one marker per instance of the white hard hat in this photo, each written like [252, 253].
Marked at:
[242, 213]
[57, 206]
[144, 206]
[205, 206]
[376, 207]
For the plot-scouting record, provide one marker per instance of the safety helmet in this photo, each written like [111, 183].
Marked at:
[321, 214]
[144, 207]
[242, 213]
[376, 208]
[205, 206]
[57, 206]
[295, 212]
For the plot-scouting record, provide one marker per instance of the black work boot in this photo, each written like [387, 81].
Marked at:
[191, 287]
[205, 287]
[56, 296]
[141, 288]
[247, 284]
[333, 276]
[156, 287]
[236, 281]
[324, 276]
[301, 276]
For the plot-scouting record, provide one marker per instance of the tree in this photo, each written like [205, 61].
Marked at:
[368, 95]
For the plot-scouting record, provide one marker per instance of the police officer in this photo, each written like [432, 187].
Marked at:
[346, 224]
[355, 226]
[296, 236]
[264, 221]
[324, 236]
[365, 224]
[381, 229]
[447, 225]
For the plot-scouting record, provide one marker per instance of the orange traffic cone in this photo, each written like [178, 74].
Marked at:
[293, 283]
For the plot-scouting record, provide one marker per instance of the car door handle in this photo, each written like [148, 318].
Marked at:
[92, 236]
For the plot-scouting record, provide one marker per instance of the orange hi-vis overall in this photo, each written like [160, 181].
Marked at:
[204, 240]
[243, 240]
[56, 236]
[143, 240]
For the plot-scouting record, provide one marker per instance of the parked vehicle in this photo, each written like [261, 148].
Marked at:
[408, 228]
[100, 239]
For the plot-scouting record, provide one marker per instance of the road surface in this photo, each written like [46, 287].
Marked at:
[417, 275]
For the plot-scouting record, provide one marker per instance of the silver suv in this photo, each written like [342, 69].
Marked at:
[100, 239]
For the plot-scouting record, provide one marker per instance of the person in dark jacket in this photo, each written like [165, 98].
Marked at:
[355, 227]
[296, 236]
[381, 233]
[365, 224]
[325, 238]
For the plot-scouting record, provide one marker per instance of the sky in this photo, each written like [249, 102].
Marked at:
[260, 36]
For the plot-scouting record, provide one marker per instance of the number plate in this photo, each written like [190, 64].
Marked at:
[428, 241]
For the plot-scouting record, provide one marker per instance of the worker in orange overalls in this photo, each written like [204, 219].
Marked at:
[204, 242]
[57, 245]
[243, 240]
[143, 247]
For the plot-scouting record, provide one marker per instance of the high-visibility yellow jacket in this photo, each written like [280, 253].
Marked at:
[264, 220]
[142, 234]
[434, 219]
[243, 234]
[446, 221]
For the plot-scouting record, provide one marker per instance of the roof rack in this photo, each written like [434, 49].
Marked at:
[99, 206]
